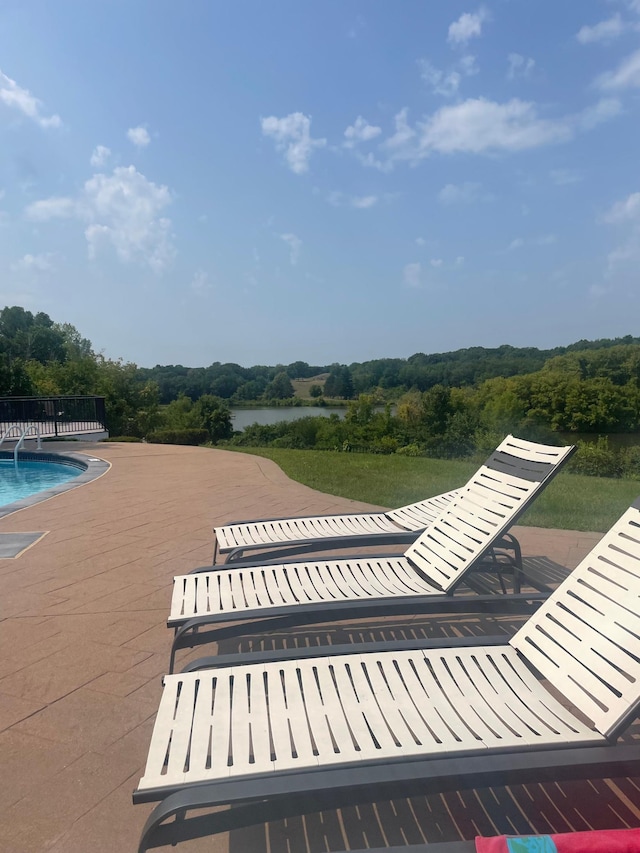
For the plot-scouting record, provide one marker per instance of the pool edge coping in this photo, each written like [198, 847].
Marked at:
[93, 467]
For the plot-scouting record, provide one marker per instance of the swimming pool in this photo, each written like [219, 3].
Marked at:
[40, 476]
[27, 478]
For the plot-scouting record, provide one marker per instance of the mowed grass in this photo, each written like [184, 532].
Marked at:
[570, 502]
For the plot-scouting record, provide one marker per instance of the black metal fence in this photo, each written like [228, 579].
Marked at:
[56, 415]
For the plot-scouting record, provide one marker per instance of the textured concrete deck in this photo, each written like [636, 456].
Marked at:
[84, 646]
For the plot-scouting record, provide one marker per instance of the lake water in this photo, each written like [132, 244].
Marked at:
[245, 417]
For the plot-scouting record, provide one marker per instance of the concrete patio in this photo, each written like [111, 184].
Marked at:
[85, 644]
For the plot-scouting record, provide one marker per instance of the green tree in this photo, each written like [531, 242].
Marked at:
[280, 388]
[215, 417]
[339, 382]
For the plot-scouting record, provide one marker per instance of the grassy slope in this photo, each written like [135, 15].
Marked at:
[570, 502]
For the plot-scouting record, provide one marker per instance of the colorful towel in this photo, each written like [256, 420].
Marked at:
[597, 841]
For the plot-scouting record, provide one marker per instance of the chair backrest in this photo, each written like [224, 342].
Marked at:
[585, 638]
[484, 509]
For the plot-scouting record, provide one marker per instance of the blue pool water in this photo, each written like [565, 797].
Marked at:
[29, 478]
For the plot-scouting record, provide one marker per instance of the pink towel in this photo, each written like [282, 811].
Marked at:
[597, 841]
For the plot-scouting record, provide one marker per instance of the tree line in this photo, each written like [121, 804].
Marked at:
[443, 404]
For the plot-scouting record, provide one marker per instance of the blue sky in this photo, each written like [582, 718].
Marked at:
[261, 182]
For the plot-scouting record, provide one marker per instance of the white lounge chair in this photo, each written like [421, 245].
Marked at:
[276, 537]
[281, 733]
[421, 580]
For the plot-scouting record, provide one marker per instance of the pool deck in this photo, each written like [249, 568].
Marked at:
[85, 644]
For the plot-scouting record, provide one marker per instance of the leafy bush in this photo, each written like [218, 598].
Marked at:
[596, 459]
[122, 438]
[178, 436]
[411, 450]
[386, 444]
[631, 462]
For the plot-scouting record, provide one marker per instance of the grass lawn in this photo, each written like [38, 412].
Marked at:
[570, 502]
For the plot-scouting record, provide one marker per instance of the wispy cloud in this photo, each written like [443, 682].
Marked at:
[439, 82]
[123, 211]
[100, 156]
[16, 97]
[57, 207]
[200, 284]
[295, 247]
[562, 177]
[478, 125]
[542, 240]
[360, 131]
[364, 202]
[519, 66]
[468, 26]
[625, 76]
[604, 31]
[465, 193]
[625, 216]
[447, 83]
[412, 274]
[292, 134]
[139, 136]
[42, 263]
[627, 210]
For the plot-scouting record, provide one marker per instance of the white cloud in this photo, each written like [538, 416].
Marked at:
[519, 66]
[436, 262]
[468, 65]
[625, 216]
[139, 136]
[200, 283]
[459, 260]
[403, 135]
[604, 31]
[372, 162]
[478, 125]
[561, 177]
[447, 83]
[122, 211]
[468, 26]
[339, 199]
[295, 246]
[44, 262]
[440, 82]
[604, 110]
[627, 210]
[100, 156]
[464, 193]
[420, 241]
[360, 131]
[292, 134]
[412, 274]
[544, 240]
[16, 97]
[57, 207]
[626, 75]
[364, 202]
